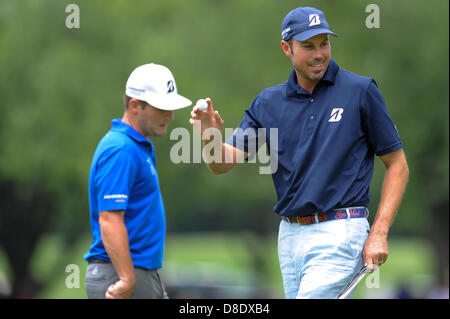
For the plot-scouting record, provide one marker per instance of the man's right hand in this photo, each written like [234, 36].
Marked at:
[203, 120]
[208, 118]
[120, 290]
[115, 238]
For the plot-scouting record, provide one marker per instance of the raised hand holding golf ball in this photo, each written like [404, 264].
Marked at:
[202, 105]
[208, 119]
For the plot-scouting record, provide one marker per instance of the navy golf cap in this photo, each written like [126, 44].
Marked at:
[304, 23]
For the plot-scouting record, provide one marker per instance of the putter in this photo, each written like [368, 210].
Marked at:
[353, 283]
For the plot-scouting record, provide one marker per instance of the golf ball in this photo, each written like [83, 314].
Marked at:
[202, 105]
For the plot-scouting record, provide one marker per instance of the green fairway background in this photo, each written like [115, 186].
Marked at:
[410, 261]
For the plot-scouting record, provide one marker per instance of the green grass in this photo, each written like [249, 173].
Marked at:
[409, 261]
[206, 247]
[49, 267]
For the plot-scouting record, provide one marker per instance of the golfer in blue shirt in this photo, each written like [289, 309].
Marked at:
[330, 123]
[126, 206]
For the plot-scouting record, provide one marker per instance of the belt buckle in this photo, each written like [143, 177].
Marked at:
[322, 217]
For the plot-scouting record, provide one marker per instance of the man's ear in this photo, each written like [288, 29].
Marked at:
[133, 105]
[286, 48]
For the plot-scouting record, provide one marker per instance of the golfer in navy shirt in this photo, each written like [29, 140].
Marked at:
[126, 206]
[330, 123]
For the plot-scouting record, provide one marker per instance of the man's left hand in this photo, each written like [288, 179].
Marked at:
[375, 251]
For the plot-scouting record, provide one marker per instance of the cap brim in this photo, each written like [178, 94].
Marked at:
[168, 102]
[308, 34]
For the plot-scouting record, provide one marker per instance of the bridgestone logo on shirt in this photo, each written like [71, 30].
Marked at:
[115, 196]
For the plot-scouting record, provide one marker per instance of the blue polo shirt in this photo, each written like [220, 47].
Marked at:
[123, 177]
[326, 140]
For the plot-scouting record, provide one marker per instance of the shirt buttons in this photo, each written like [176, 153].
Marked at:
[312, 117]
[311, 100]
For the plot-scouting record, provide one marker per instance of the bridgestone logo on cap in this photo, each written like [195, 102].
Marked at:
[313, 19]
[170, 86]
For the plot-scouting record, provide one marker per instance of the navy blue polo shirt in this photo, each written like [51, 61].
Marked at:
[123, 177]
[326, 140]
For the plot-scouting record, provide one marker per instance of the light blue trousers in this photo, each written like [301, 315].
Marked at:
[319, 260]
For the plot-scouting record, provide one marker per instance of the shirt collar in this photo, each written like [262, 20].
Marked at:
[124, 128]
[293, 88]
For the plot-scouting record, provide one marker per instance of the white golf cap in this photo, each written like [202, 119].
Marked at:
[155, 85]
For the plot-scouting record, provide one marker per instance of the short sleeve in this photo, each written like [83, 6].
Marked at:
[382, 133]
[115, 175]
[249, 136]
